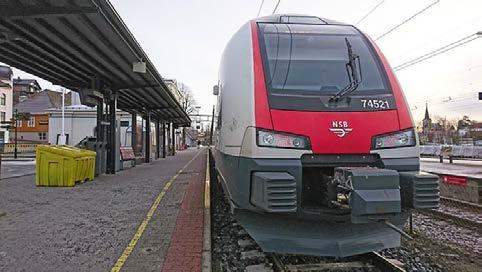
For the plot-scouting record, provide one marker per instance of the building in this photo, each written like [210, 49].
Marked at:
[431, 132]
[80, 121]
[24, 89]
[5, 100]
[173, 86]
[470, 133]
[36, 129]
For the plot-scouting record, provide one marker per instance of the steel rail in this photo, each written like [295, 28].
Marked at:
[461, 203]
[382, 263]
[456, 220]
[369, 260]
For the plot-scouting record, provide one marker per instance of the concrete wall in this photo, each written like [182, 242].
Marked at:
[29, 137]
[79, 123]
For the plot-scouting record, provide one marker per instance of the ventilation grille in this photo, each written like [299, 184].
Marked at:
[281, 195]
[274, 192]
[426, 193]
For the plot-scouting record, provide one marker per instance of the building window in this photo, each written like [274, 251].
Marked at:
[3, 99]
[2, 116]
[42, 136]
[19, 123]
[31, 122]
[43, 122]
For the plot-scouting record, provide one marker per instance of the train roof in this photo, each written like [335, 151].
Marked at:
[297, 19]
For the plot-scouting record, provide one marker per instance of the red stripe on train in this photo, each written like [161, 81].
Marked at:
[404, 117]
[261, 106]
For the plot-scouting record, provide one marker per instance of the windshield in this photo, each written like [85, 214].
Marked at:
[303, 61]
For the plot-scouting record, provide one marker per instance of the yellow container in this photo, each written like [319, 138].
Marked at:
[63, 165]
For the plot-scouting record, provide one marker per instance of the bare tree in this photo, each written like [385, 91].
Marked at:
[188, 103]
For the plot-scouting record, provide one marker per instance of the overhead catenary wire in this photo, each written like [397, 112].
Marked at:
[439, 51]
[370, 12]
[407, 20]
[276, 7]
[260, 6]
[464, 101]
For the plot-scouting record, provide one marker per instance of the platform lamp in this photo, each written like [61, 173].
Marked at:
[139, 67]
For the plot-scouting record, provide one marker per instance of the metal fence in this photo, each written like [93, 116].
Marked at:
[22, 148]
[452, 151]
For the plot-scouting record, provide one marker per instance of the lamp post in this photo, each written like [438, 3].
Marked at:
[15, 150]
[62, 138]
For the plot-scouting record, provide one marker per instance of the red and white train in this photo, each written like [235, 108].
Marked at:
[315, 144]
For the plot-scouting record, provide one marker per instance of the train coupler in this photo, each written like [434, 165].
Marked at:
[373, 193]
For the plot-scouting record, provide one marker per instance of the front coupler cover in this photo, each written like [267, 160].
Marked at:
[374, 192]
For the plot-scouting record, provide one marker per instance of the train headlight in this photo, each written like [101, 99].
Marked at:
[396, 139]
[267, 138]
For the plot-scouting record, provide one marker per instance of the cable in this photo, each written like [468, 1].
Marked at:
[438, 51]
[275, 8]
[370, 12]
[259, 10]
[407, 20]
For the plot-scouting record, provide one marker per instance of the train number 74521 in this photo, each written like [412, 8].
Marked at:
[375, 103]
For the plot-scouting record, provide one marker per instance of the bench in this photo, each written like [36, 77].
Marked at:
[127, 154]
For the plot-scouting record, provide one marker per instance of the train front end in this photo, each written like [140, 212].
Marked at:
[331, 165]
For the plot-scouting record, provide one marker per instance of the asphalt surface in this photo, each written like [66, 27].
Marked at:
[12, 169]
[87, 227]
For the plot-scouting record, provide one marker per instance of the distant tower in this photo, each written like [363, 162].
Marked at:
[427, 122]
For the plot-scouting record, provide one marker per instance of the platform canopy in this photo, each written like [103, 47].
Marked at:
[74, 43]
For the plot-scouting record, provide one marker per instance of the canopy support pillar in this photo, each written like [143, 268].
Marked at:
[148, 137]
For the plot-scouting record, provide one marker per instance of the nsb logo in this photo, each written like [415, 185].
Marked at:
[340, 128]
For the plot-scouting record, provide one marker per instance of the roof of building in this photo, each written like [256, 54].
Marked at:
[43, 101]
[427, 117]
[5, 73]
[23, 81]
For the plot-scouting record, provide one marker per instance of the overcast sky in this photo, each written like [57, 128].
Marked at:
[185, 40]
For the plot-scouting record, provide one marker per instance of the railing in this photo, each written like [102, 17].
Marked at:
[9, 148]
[452, 151]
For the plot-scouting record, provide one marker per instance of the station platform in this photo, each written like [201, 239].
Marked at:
[464, 168]
[146, 218]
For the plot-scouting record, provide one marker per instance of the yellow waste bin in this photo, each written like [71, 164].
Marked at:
[63, 165]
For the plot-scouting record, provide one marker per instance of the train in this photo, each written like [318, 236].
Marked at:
[315, 146]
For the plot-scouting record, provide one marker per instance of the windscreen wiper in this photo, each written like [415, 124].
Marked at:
[353, 69]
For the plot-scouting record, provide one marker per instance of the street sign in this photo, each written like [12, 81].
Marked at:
[6, 122]
[7, 127]
[480, 95]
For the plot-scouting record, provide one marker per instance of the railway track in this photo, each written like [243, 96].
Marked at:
[461, 203]
[367, 262]
[458, 212]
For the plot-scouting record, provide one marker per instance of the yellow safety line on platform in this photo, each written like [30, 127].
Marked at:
[132, 244]
[206, 254]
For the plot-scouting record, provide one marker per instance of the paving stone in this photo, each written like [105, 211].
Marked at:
[87, 227]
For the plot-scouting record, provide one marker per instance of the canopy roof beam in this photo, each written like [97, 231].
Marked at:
[41, 12]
